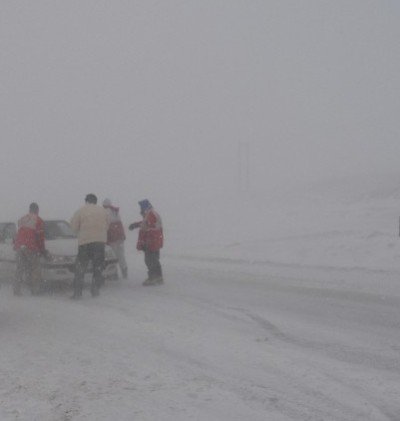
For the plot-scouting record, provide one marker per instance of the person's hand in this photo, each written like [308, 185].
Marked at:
[46, 255]
[140, 246]
[134, 225]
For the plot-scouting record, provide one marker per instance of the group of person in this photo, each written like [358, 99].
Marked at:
[95, 226]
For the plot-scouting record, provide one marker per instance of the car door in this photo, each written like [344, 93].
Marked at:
[8, 231]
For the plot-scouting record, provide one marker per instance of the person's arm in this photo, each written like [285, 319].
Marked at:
[75, 222]
[141, 242]
[135, 225]
[108, 218]
[39, 234]
[151, 220]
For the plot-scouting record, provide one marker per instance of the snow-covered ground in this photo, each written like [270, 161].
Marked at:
[268, 313]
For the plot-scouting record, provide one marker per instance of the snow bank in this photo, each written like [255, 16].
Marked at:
[349, 223]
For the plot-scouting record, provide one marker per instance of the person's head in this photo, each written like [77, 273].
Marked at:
[34, 208]
[144, 206]
[106, 203]
[91, 198]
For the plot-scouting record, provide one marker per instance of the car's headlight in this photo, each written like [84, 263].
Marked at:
[55, 259]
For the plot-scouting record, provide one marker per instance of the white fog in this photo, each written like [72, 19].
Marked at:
[266, 135]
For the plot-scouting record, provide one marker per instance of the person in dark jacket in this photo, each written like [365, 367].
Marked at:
[150, 240]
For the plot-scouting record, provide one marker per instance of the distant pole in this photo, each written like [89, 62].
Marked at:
[247, 166]
[399, 226]
[244, 166]
[239, 166]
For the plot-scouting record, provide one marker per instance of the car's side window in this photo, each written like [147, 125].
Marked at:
[8, 230]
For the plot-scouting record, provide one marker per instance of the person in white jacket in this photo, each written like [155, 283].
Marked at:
[90, 223]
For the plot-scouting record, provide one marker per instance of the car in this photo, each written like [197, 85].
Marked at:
[62, 245]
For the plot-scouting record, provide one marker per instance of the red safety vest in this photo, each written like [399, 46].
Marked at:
[151, 232]
[30, 233]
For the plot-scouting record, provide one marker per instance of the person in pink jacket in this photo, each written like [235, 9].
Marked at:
[116, 235]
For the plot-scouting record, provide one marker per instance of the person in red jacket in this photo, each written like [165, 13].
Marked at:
[116, 235]
[29, 246]
[150, 240]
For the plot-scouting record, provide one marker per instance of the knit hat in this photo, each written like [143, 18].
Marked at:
[91, 198]
[34, 207]
[144, 205]
[106, 202]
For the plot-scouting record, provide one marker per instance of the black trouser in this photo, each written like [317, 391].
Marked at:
[28, 270]
[93, 252]
[152, 260]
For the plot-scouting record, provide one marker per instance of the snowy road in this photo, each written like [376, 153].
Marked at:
[216, 342]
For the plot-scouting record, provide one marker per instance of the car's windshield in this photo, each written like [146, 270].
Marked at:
[57, 229]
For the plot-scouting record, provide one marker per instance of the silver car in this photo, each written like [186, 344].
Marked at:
[62, 244]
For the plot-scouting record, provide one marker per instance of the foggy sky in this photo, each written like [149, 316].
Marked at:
[134, 99]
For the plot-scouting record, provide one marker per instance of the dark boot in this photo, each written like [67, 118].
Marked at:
[35, 289]
[95, 290]
[159, 280]
[153, 281]
[17, 290]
